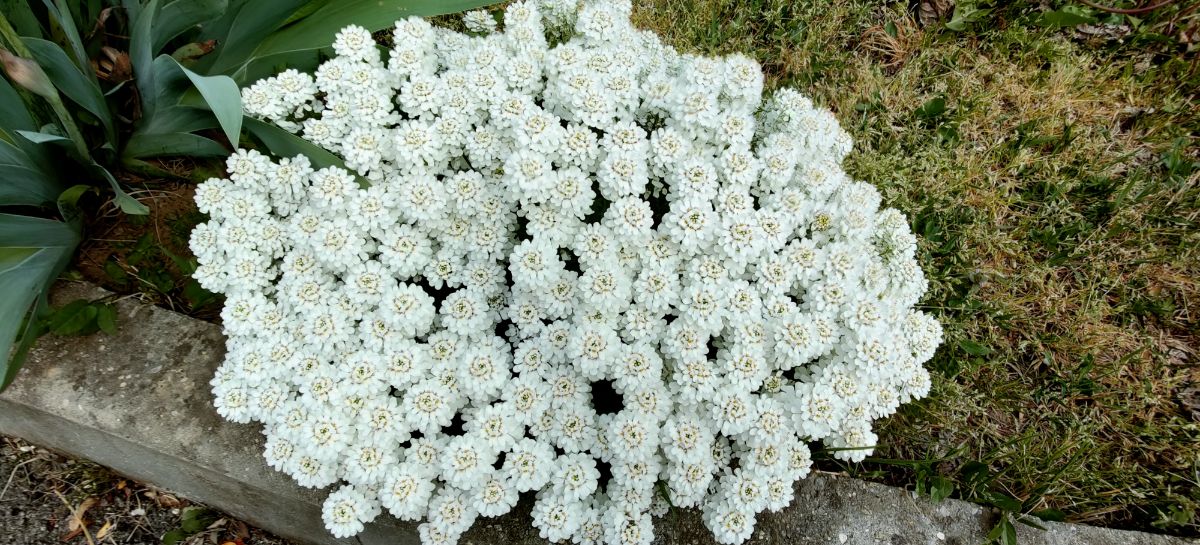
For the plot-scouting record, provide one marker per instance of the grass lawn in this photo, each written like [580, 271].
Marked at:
[1053, 179]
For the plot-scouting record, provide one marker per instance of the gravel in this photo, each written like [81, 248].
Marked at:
[40, 490]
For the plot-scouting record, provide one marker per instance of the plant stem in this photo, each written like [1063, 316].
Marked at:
[9, 34]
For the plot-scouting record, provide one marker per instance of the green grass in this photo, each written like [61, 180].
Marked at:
[1054, 182]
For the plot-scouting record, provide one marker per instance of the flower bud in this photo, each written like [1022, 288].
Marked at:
[27, 74]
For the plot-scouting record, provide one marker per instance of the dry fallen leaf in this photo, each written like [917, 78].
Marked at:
[1190, 399]
[239, 529]
[162, 499]
[104, 530]
[113, 65]
[932, 11]
[78, 513]
[72, 535]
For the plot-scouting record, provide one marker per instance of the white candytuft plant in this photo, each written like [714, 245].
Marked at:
[595, 269]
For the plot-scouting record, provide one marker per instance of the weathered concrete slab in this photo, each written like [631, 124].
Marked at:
[138, 402]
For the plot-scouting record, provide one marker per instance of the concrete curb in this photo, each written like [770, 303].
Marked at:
[138, 402]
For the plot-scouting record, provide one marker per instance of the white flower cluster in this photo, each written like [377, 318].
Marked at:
[598, 270]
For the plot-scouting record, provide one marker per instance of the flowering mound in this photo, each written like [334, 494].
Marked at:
[596, 270]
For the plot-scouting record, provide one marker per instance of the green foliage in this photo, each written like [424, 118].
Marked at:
[260, 37]
[1069, 16]
[193, 520]
[32, 253]
[965, 14]
[82, 317]
[1003, 533]
[286, 144]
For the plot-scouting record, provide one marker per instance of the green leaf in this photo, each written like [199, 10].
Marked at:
[1053, 515]
[1004, 533]
[973, 348]
[127, 204]
[22, 180]
[141, 55]
[180, 143]
[42, 138]
[195, 519]
[72, 318]
[243, 28]
[70, 197]
[317, 31]
[61, 14]
[1003, 501]
[32, 253]
[189, 52]
[932, 109]
[67, 78]
[940, 488]
[174, 537]
[180, 15]
[975, 473]
[185, 265]
[13, 110]
[196, 295]
[106, 318]
[223, 98]
[285, 144]
[16, 116]
[1064, 18]
[966, 13]
[20, 15]
[177, 119]
[115, 273]
[947, 132]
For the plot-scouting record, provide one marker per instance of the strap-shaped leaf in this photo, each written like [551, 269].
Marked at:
[179, 15]
[178, 143]
[71, 82]
[42, 137]
[127, 204]
[175, 119]
[317, 30]
[13, 111]
[286, 144]
[20, 15]
[22, 180]
[61, 14]
[223, 98]
[33, 251]
[15, 117]
[242, 29]
[141, 55]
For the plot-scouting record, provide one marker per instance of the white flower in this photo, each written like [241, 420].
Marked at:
[729, 522]
[428, 407]
[479, 21]
[404, 492]
[528, 465]
[604, 251]
[347, 510]
[576, 477]
[555, 517]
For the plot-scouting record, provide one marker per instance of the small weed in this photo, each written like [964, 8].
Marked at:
[149, 255]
